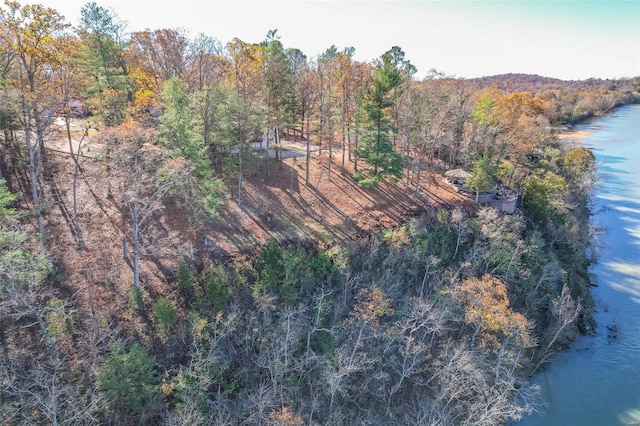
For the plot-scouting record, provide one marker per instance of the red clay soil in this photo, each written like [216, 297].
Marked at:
[332, 209]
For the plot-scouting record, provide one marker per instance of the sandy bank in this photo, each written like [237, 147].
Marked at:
[574, 135]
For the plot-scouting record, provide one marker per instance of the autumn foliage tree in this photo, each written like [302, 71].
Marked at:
[580, 166]
[245, 106]
[487, 310]
[511, 128]
[430, 322]
[31, 35]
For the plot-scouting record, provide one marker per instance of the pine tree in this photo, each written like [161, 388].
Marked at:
[105, 63]
[179, 130]
[377, 149]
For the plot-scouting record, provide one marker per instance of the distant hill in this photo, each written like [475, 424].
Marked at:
[514, 82]
[518, 79]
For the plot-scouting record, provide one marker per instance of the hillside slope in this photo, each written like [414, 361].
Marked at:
[332, 209]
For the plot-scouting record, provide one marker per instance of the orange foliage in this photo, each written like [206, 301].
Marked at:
[372, 305]
[486, 306]
[525, 118]
[284, 417]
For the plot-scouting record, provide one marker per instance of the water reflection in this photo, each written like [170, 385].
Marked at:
[631, 417]
[597, 381]
[628, 274]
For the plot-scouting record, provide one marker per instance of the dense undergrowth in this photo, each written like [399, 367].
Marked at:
[111, 312]
[437, 321]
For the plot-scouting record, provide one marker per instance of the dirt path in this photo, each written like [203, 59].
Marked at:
[82, 140]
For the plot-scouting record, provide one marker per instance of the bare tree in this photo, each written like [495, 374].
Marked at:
[144, 178]
[415, 339]
[23, 272]
[46, 389]
[31, 34]
[259, 402]
[565, 311]
[321, 306]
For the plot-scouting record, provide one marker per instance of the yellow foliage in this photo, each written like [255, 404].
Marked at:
[372, 305]
[167, 388]
[284, 417]
[145, 89]
[486, 305]
[247, 61]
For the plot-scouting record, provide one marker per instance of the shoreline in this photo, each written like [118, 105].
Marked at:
[570, 133]
[574, 135]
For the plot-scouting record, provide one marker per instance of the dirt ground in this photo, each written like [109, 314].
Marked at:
[332, 209]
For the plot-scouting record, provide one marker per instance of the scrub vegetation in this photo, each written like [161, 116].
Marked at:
[197, 233]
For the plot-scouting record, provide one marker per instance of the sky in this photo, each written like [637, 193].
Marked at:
[566, 39]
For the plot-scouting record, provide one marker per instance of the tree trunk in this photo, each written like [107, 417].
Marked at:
[344, 145]
[455, 253]
[330, 149]
[349, 140]
[266, 162]
[44, 159]
[377, 153]
[407, 157]
[47, 336]
[239, 171]
[278, 147]
[306, 181]
[135, 237]
[33, 153]
[76, 170]
[136, 262]
[355, 151]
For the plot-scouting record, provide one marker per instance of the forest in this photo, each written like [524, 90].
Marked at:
[196, 233]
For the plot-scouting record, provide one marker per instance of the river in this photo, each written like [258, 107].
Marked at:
[597, 380]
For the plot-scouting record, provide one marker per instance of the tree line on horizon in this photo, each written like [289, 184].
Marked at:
[438, 321]
[242, 92]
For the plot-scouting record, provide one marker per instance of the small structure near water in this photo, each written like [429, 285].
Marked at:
[501, 198]
[504, 200]
[457, 177]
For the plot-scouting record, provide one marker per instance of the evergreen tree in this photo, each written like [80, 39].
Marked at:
[181, 132]
[483, 175]
[544, 198]
[392, 73]
[105, 63]
[129, 380]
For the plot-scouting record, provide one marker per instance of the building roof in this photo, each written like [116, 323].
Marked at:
[457, 174]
